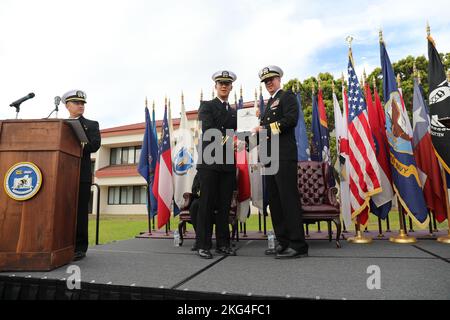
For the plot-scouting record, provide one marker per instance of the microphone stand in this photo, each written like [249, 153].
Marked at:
[54, 110]
[17, 110]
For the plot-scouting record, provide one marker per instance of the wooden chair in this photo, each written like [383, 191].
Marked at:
[317, 198]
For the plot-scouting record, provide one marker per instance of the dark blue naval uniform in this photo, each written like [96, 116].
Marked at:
[218, 179]
[280, 118]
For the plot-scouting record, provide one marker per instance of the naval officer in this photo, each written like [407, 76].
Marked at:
[280, 118]
[218, 177]
[75, 101]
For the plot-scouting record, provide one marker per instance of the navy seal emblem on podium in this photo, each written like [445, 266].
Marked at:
[23, 181]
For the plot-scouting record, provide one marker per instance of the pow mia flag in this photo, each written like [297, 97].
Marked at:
[439, 101]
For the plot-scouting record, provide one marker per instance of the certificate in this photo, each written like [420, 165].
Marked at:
[247, 120]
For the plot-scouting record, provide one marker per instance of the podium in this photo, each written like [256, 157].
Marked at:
[38, 234]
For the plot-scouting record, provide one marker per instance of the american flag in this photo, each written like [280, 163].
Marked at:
[163, 185]
[364, 171]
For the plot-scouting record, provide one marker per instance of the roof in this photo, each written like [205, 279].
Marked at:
[117, 171]
[138, 128]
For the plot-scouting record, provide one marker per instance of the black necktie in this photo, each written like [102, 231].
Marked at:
[225, 105]
[270, 101]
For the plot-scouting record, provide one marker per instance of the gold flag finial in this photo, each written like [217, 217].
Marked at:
[380, 35]
[313, 88]
[364, 75]
[260, 90]
[146, 102]
[182, 98]
[349, 40]
[298, 86]
[399, 80]
[332, 85]
[256, 94]
[241, 92]
[201, 94]
[374, 83]
[428, 29]
[235, 98]
[212, 95]
[319, 83]
[342, 78]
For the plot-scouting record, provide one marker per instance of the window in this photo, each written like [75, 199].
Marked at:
[127, 195]
[138, 154]
[125, 155]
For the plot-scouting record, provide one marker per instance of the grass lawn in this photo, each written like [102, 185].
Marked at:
[122, 227]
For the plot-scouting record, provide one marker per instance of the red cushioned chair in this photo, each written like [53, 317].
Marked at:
[317, 199]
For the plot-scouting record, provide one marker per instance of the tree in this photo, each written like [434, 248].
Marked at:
[403, 67]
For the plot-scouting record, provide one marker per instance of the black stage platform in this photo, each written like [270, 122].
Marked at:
[155, 269]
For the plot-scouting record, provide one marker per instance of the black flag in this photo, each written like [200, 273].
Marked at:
[439, 101]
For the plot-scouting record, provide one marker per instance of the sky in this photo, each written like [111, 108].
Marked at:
[121, 51]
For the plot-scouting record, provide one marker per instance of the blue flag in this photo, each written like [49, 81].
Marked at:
[405, 176]
[147, 160]
[300, 133]
[316, 140]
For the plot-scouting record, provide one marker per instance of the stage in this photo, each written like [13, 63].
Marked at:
[155, 269]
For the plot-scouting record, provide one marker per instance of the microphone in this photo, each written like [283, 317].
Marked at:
[18, 102]
[57, 101]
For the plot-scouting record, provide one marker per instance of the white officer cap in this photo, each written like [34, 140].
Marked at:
[270, 72]
[225, 76]
[74, 95]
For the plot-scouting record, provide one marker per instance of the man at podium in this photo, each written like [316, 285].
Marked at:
[74, 101]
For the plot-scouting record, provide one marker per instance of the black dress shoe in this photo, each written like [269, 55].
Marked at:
[290, 253]
[205, 254]
[226, 251]
[278, 249]
[79, 255]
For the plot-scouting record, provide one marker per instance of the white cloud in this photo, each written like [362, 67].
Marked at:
[119, 52]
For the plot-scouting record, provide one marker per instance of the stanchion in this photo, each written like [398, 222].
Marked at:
[411, 229]
[380, 229]
[402, 236]
[388, 227]
[445, 239]
[359, 238]
[259, 221]
[430, 224]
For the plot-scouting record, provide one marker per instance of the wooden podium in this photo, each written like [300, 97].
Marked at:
[38, 234]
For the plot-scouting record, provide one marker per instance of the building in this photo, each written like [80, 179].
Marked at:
[122, 189]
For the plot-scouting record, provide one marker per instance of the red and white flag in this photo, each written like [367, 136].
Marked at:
[163, 184]
[364, 170]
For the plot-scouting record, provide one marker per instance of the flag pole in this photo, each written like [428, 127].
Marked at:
[343, 112]
[358, 238]
[445, 239]
[149, 204]
[402, 237]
